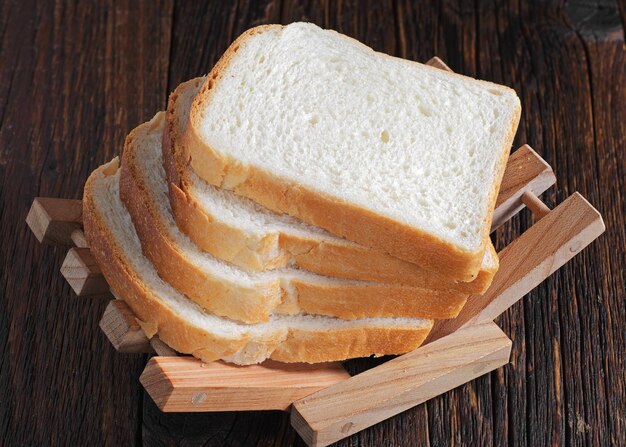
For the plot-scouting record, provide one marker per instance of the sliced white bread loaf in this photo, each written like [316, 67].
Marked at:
[240, 231]
[228, 291]
[182, 324]
[389, 153]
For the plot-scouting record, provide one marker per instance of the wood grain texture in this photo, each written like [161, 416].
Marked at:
[187, 384]
[535, 205]
[160, 348]
[78, 238]
[341, 410]
[76, 77]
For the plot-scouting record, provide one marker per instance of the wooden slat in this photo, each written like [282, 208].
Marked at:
[52, 221]
[529, 259]
[82, 272]
[121, 328]
[399, 384]
[187, 384]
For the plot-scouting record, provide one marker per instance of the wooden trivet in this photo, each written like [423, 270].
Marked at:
[327, 404]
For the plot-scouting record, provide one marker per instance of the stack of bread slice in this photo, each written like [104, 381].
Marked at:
[310, 200]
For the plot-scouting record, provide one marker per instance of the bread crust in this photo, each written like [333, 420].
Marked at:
[329, 257]
[335, 215]
[255, 303]
[290, 345]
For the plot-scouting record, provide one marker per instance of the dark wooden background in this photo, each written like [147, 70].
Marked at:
[75, 77]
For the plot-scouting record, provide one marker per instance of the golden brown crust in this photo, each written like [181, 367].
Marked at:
[376, 300]
[343, 344]
[297, 345]
[337, 216]
[328, 257]
[223, 241]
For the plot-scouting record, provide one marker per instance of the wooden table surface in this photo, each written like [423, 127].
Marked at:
[75, 77]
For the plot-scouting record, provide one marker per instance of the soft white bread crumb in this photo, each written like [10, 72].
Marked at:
[420, 147]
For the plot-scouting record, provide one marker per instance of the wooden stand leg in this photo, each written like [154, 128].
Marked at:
[83, 274]
[161, 348]
[78, 237]
[52, 221]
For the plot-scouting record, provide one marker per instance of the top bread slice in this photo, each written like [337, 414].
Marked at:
[240, 231]
[183, 325]
[392, 154]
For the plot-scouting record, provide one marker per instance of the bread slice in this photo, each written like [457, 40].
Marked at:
[240, 231]
[184, 326]
[227, 291]
[392, 154]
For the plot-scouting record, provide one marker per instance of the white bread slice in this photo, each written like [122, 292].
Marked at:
[240, 231]
[225, 290]
[389, 153]
[183, 325]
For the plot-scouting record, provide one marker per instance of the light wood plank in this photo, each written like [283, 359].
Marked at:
[399, 384]
[438, 63]
[184, 384]
[535, 205]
